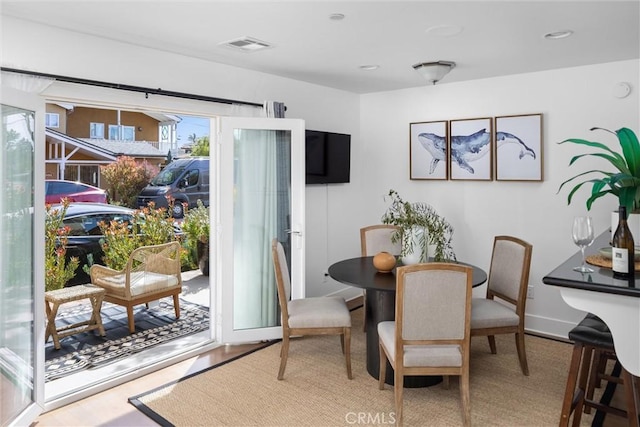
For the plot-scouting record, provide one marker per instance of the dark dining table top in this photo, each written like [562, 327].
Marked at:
[601, 280]
[361, 273]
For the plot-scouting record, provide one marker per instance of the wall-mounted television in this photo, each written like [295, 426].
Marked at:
[327, 157]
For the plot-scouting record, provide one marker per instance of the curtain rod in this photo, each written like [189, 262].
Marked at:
[130, 88]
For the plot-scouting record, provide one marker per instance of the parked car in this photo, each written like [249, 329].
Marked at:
[57, 189]
[85, 234]
[183, 180]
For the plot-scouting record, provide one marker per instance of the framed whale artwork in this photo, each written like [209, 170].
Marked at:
[428, 150]
[519, 147]
[471, 149]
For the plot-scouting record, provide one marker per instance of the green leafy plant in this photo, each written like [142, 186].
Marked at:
[408, 215]
[149, 226]
[624, 182]
[196, 231]
[58, 270]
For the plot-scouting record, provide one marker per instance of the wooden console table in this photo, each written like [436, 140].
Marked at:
[53, 300]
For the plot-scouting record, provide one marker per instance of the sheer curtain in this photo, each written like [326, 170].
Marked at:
[261, 212]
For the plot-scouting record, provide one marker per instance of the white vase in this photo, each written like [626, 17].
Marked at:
[416, 252]
[633, 221]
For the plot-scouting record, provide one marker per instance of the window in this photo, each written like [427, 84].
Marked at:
[52, 120]
[128, 133]
[96, 130]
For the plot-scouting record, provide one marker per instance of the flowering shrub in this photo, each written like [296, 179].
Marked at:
[58, 270]
[150, 226]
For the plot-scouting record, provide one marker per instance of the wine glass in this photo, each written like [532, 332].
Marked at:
[582, 233]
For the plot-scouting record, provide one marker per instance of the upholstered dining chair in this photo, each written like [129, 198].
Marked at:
[431, 331]
[508, 281]
[373, 240]
[308, 316]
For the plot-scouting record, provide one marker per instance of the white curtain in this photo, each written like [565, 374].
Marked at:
[261, 212]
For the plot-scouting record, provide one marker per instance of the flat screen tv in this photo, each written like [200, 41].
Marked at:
[327, 157]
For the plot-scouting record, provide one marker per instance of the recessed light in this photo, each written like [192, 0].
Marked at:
[336, 16]
[555, 35]
[369, 67]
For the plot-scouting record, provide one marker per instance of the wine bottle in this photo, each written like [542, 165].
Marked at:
[622, 248]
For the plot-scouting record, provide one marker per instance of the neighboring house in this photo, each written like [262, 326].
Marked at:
[81, 139]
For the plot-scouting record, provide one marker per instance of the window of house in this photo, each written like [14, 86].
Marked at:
[122, 133]
[96, 130]
[52, 120]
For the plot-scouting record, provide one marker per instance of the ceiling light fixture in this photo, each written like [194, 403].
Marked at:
[433, 72]
[369, 67]
[556, 35]
[336, 16]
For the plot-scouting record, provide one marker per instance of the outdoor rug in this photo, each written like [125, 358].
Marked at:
[89, 350]
[315, 390]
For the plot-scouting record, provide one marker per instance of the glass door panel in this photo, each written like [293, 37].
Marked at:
[20, 297]
[261, 198]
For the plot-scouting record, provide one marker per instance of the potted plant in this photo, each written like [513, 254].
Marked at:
[420, 226]
[624, 182]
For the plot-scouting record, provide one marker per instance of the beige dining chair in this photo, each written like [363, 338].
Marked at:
[508, 282]
[431, 331]
[373, 240]
[308, 316]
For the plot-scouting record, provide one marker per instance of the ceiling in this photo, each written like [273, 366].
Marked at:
[485, 39]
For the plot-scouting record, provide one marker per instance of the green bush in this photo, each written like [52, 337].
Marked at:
[195, 227]
[126, 178]
[150, 226]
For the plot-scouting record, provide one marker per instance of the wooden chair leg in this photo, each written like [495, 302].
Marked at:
[632, 409]
[445, 382]
[176, 305]
[597, 367]
[284, 353]
[572, 379]
[522, 355]
[492, 343]
[347, 351]
[364, 311]
[382, 372]
[398, 387]
[132, 326]
[465, 398]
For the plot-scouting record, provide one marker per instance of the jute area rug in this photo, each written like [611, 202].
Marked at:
[316, 392]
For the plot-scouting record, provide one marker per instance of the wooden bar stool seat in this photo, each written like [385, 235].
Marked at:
[593, 342]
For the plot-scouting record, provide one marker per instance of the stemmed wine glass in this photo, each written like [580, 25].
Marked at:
[582, 233]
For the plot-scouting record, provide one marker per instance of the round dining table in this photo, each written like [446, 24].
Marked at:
[380, 306]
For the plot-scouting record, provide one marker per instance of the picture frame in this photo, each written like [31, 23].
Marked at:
[471, 149]
[519, 147]
[428, 143]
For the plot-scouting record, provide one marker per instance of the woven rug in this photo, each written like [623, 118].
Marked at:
[88, 350]
[316, 392]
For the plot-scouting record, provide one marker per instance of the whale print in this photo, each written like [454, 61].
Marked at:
[466, 149]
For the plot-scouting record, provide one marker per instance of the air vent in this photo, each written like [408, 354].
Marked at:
[246, 44]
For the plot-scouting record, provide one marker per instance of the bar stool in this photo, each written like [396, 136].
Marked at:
[593, 342]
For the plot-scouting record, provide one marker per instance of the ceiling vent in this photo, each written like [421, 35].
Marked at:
[246, 44]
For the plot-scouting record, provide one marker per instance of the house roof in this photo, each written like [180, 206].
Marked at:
[108, 149]
[125, 148]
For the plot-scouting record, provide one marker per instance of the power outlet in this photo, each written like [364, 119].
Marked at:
[530, 292]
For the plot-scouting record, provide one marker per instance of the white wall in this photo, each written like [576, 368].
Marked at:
[30, 46]
[571, 101]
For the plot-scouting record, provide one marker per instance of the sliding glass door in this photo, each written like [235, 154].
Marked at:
[21, 278]
[261, 197]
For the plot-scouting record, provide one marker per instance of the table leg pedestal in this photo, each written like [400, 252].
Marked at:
[381, 306]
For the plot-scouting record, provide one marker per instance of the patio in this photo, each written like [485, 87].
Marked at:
[157, 331]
